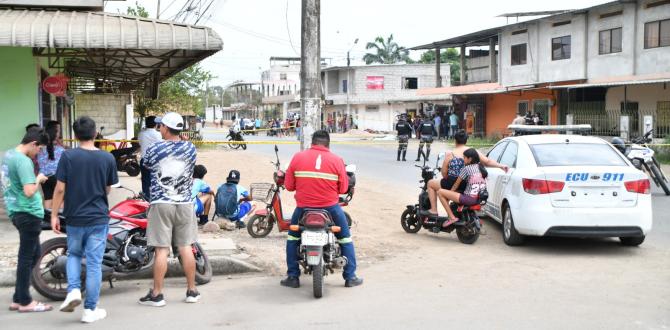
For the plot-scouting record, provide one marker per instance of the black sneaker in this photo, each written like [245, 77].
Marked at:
[352, 282]
[151, 300]
[291, 282]
[192, 296]
[240, 224]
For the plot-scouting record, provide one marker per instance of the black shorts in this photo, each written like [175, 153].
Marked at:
[448, 183]
[48, 188]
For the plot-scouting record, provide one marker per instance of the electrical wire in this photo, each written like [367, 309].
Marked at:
[288, 31]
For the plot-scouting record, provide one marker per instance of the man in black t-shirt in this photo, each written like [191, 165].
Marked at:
[86, 174]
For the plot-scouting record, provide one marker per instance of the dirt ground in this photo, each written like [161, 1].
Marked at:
[375, 211]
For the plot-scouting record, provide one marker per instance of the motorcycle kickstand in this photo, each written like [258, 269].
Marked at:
[111, 284]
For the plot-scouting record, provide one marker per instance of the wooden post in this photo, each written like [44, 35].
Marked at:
[438, 74]
[462, 65]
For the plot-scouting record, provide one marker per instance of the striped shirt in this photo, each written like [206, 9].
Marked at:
[475, 180]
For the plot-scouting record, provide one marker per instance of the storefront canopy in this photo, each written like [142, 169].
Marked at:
[108, 52]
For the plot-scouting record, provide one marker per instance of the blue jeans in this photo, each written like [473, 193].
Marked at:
[146, 180]
[86, 242]
[344, 238]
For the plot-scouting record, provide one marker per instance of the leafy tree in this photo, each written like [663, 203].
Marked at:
[137, 11]
[450, 56]
[386, 51]
[184, 92]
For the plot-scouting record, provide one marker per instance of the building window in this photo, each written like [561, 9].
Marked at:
[410, 83]
[560, 48]
[610, 41]
[283, 76]
[657, 34]
[345, 86]
[519, 54]
[522, 108]
[372, 108]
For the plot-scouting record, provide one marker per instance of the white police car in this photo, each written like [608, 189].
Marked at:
[567, 185]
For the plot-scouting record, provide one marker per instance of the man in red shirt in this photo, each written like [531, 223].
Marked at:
[318, 177]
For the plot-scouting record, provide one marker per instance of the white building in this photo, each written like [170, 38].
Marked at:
[372, 96]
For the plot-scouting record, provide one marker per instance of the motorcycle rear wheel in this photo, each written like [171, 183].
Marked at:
[410, 222]
[260, 226]
[660, 179]
[467, 235]
[132, 169]
[232, 145]
[317, 280]
[244, 146]
[55, 286]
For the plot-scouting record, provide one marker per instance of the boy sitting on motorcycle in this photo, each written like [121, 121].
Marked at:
[474, 174]
[202, 194]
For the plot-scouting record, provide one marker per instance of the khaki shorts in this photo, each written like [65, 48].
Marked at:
[171, 225]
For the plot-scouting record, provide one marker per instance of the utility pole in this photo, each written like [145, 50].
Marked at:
[310, 70]
[158, 10]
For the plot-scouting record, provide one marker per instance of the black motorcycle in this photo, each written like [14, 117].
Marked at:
[417, 216]
[127, 159]
[235, 140]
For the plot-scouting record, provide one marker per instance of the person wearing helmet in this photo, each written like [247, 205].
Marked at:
[618, 143]
[404, 134]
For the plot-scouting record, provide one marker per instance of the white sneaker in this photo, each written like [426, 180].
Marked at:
[91, 316]
[72, 300]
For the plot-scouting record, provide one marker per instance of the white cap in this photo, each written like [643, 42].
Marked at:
[171, 120]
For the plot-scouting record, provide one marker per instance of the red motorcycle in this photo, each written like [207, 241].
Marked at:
[263, 220]
[126, 251]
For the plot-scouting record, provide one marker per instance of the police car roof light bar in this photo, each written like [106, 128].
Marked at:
[582, 128]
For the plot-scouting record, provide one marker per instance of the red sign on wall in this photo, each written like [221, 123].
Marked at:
[375, 82]
[56, 85]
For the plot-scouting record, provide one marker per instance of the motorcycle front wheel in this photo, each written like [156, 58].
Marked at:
[410, 222]
[232, 145]
[317, 280]
[260, 226]
[660, 178]
[48, 278]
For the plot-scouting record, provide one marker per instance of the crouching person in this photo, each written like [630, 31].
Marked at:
[233, 201]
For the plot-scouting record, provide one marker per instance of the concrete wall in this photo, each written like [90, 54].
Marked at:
[19, 92]
[647, 96]
[273, 84]
[108, 110]
[501, 108]
[584, 29]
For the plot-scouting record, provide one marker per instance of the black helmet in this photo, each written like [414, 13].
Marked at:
[618, 143]
[233, 177]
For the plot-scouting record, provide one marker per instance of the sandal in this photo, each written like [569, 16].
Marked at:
[38, 308]
[450, 222]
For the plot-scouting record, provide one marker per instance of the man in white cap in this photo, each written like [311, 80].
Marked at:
[171, 215]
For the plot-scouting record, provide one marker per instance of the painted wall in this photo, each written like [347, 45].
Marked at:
[647, 96]
[108, 110]
[19, 84]
[654, 60]
[501, 108]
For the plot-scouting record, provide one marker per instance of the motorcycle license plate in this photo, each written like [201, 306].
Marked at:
[314, 238]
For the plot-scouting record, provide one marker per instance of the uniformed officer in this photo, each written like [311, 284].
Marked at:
[427, 131]
[404, 133]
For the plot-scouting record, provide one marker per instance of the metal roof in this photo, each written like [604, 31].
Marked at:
[613, 83]
[104, 49]
[479, 38]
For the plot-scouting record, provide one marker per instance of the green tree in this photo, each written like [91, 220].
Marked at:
[386, 51]
[451, 56]
[137, 11]
[185, 91]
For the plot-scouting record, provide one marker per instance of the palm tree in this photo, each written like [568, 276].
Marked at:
[386, 52]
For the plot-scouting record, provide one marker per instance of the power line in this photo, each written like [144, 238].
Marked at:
[288, 31]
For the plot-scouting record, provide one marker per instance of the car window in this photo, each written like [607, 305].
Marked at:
[509, 156]
[576, 154]
[497, 151]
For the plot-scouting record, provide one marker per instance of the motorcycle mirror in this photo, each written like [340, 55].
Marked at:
[276, 148]
[351, 168]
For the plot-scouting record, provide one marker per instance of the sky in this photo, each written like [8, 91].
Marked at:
[255, 30]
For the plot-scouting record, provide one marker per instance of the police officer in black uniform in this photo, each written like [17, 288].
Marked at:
[404, 133]
[427, 130]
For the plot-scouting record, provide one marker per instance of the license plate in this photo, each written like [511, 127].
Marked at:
[314, 238]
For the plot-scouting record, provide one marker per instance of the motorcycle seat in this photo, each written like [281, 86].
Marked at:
[477, 207]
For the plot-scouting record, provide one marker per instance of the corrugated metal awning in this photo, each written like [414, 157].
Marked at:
[613, 83]
[108, 48]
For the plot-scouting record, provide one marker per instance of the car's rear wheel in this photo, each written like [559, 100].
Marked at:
[510, 235]
[631, 241]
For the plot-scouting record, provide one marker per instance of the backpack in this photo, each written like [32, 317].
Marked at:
[226, 201]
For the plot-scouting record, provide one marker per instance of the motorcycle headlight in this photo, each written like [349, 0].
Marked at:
[637, 163]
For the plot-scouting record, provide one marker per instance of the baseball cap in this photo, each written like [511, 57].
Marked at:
[233, 177]
[171, 120]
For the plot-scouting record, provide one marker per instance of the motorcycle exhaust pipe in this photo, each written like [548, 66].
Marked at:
[339, 262]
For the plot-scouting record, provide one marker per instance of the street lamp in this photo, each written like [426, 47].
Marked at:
[349, 81]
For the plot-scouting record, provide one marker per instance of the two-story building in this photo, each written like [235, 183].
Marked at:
[607, 65]
[372, 96]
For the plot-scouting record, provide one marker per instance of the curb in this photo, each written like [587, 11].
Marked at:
[221, 265]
